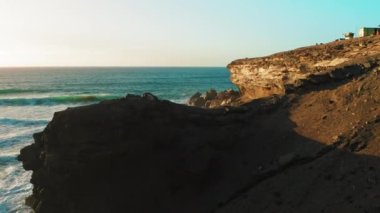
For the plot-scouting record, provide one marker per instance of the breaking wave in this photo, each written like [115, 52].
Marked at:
[20, 122]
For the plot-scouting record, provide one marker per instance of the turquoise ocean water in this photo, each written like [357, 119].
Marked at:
[30, 96]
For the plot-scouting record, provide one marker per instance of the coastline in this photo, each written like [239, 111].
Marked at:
[29, 99]
[305, 138]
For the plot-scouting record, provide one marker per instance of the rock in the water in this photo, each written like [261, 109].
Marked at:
[210, 94]
[213, 99]
[197, 100]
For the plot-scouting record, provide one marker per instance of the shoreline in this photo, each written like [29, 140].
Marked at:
[305, 138]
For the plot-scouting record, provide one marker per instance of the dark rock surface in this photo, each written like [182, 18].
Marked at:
[142, 155]
[314, 149]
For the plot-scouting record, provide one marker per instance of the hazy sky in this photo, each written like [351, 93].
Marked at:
[169, 32]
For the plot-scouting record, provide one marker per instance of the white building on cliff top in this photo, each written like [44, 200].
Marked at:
[368, 31]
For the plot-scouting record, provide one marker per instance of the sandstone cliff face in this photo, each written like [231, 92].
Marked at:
[316, 148]
[275, 74]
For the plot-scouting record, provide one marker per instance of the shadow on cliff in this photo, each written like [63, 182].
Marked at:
[140, 154]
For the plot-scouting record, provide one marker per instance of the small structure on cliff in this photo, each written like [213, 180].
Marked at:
[368, 31]
[348, 35]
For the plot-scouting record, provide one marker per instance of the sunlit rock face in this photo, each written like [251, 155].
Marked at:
[275, 74]
[212, 99]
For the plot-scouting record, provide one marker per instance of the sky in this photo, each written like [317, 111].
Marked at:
[169, 32]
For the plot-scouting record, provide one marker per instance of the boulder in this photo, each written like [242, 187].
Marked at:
[210, 95]
[197, 100]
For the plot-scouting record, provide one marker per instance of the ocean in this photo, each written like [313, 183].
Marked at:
[30, 96]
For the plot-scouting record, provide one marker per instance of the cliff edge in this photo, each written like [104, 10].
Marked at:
[278, 73]
[306, 138]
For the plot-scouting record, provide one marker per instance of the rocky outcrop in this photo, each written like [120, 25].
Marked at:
[315, 148]
[139, 154]
[213, 99]
[275, 74]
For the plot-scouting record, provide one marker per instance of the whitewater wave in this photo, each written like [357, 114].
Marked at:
[11, 143]
[9, 133]
[56, 100]
[20, 122]
[14, 182]
[14, 188]
[179, 100]
[31, 112]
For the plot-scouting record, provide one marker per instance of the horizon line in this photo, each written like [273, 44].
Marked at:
[101, 66]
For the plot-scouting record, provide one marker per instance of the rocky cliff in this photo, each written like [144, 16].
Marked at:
[275, 74]
[312, 144]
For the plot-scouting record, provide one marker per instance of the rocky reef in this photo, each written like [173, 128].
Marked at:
[304, 136]
[213, 99]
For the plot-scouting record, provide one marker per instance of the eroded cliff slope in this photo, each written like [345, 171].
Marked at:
[313, 147]
[275, 74]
